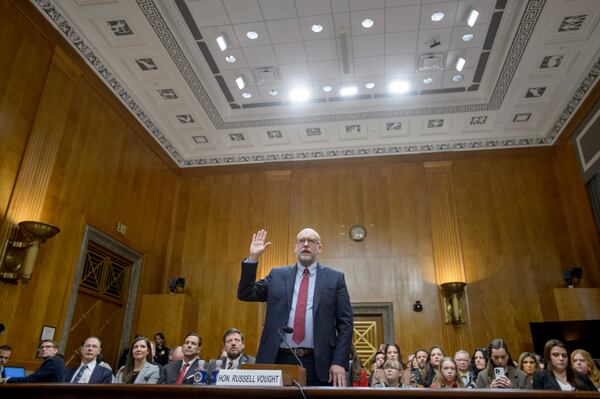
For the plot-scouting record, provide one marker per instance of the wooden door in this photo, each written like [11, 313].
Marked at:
[367, 336]
[101, 303]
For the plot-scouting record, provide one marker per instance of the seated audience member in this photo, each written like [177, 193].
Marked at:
[463, 368]
[358, 374]
[162, 352]
[138, 368]
[377, 373]
[582, 363]
[447, 376]
[176, 354]
[500, 358]
[419, 372]
[528, 364]
[558, 374]
[5, 352]
[182, 371]
[233, 341]
[478, 362]
[89, 371]
[393, 372]
[435, 357]
[392, 352]
[52, 368]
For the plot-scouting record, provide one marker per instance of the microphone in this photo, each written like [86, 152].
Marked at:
[288, 330]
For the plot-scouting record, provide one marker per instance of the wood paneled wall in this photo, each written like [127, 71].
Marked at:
[94, 169]
[513, 234]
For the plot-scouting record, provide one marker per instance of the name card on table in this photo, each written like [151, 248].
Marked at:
[272, 378]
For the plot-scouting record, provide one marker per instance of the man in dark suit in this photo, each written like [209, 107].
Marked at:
[310, 298]
[52, 368]
[182, 371]
[233, 342]
[89, 371]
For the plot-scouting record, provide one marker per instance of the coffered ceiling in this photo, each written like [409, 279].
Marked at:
[379, 76]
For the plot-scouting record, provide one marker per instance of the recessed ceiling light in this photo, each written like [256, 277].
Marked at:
[428, 80]
[437, 16]
[327, 89]
[273, 92]
[460, 64]
[348, 91]
[467, 37]
[251, 35]
[299, 94]
[399, 86]
[240, 83]
[316, 28]
[369, 85]
[246, 95]
[230, 59]
[367, 23]
[457, 78]
[473, 15]
[222, 42]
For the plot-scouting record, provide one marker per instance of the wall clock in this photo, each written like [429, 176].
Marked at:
[357, 232]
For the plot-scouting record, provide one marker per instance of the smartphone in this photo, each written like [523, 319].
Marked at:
[499, 372]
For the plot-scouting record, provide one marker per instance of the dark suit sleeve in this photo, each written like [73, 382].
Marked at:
[249, 289]
[163, 376]
[51, 370]
[343, 324]
[105, 375]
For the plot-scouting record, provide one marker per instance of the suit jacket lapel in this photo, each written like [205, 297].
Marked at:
[289, 288]
[321, 277]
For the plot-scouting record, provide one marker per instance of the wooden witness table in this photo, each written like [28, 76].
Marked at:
[122, 391]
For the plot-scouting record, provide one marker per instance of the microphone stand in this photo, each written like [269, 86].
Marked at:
[289, 330]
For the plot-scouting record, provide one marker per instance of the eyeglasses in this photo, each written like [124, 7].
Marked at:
[307, 241]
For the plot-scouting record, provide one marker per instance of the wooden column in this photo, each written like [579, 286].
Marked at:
[447, 248]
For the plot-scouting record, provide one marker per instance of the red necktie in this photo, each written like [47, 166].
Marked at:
[230, 365]
[182, 374]
[300, 316]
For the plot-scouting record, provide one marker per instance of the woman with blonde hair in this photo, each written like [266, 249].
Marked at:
[446, 375]
[528, 363]
[584, 364]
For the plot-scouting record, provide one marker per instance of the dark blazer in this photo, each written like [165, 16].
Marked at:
[52, 370]
[244, 359]
[547, 381]
[170, 372]
[100, 375]
[332, 313]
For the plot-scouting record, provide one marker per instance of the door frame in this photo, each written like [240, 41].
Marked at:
[93, 234]
[385, 309]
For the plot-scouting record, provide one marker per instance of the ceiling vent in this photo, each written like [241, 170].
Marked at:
[266, 75]
[431, 62]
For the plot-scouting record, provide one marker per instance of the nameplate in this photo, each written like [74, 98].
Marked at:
[271, 378]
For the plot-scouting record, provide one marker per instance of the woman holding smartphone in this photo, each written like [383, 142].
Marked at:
[500, 371]
[558, 374]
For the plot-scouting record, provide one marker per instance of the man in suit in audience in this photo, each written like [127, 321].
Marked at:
[233, 341]
[310, 298]
[182, 371]
[5, 352]
[89, 371]
[52, 368]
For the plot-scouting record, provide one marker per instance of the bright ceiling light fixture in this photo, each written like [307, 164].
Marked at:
[460, 64]
[369, 85]
[467, 37]
[457, 78]
[230, 59]
[348, 91]
[399, 86]
[367, 23]
[273, 92]
[246, 95]
[437, 16]
[316, 28]
[299, 94]
[222, 42]
[428, 80]
[240, 83]
[251, 35]
[473, 15]
[327, 89]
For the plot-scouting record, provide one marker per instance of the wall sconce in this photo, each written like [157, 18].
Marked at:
[453, 299]
[20, 256]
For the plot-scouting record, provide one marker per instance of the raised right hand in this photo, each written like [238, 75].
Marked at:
[258, 245]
